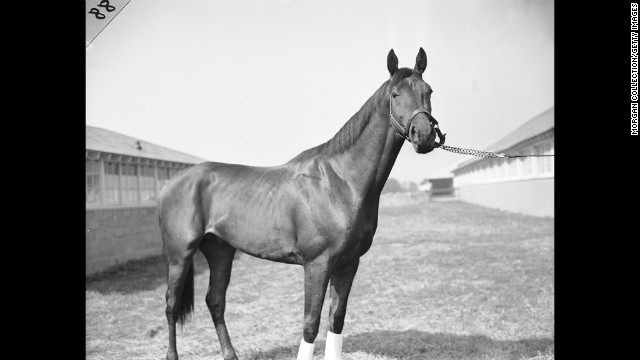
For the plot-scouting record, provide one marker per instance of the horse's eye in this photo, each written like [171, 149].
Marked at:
[394, 94]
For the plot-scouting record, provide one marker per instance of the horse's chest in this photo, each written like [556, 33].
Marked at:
[360, 234]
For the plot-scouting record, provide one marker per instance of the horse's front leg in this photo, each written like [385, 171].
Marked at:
[316, 278]
[341, 281]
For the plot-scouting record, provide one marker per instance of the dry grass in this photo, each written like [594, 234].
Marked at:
[442, 281]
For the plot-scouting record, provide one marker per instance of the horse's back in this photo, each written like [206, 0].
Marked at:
[251, 208]
[282, 213]
[194, 189]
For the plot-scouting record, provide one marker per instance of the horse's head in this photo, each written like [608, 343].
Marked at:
[410, 104]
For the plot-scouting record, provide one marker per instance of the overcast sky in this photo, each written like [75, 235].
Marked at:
[257, 82]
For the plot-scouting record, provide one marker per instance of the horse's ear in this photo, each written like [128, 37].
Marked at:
[421, 62]
[392, 62]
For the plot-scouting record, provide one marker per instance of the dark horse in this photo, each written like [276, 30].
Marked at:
[319, 210]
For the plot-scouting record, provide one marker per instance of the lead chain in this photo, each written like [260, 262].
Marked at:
[474, 152]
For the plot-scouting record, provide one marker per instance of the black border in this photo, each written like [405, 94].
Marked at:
[43, 62]
[43, 138]
[594, 156]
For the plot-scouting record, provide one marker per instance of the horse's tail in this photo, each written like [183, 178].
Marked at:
[186, 300]
[185, 305]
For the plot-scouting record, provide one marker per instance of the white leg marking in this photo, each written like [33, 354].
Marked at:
[333, 348]
[306, 350]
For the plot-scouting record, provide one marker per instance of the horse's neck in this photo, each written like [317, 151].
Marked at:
[363, 151]
[371, 155]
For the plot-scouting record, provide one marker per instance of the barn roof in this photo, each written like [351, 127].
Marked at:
[536, 126]
[440, 175]
[103, 140]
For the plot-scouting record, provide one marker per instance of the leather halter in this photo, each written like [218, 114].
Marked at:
[403, 131]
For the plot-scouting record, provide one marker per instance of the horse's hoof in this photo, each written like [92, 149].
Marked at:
[172, 356]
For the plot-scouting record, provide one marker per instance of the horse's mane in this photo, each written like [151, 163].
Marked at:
[351, 130]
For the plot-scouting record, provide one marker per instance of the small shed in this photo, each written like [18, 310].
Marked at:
[442, 185]
[438, 185]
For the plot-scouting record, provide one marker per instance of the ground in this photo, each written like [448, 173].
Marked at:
[443, 280]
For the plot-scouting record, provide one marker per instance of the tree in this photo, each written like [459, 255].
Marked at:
[411, 186]
[392, 186]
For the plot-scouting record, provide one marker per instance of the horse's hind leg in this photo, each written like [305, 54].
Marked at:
[180, 288]
[219, 255]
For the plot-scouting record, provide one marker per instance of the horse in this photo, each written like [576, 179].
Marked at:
[318, 210]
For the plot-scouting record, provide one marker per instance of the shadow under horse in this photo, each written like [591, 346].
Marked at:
[416, 344]
[319, 210]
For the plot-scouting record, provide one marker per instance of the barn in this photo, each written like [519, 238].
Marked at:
[123, 178]
[438, 186]
[521, 185]
[441, 185]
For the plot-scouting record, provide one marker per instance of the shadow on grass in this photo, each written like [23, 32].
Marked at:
[137, 275]
[413, 344]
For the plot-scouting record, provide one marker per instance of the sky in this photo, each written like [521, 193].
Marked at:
[258, 82]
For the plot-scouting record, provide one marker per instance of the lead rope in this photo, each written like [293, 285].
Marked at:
[472, 152]
[403, 133]
[487, 154]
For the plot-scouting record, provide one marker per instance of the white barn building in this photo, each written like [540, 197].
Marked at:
[123, 178]
[521, 185]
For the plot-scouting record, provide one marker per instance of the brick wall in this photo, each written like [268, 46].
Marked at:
[117, 235]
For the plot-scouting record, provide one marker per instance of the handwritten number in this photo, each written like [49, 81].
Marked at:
[105, 4]
[97, 13]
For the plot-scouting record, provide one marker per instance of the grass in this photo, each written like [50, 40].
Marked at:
[444, 280]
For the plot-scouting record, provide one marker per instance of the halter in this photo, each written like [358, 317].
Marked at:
[403, 131]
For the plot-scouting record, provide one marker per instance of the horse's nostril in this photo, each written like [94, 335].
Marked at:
[413, 131]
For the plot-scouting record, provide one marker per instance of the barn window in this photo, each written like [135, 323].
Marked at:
[539, 150]
[147, 183]
[129, 183]
[513, 167]
[544, 164]
[526, 163]
[92, 181]
[548, 150]
[112, 182]
[164, 175]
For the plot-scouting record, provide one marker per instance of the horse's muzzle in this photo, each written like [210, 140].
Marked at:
[422, 134]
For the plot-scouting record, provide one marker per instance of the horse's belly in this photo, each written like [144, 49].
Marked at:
[258, 238]
[280, 250]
